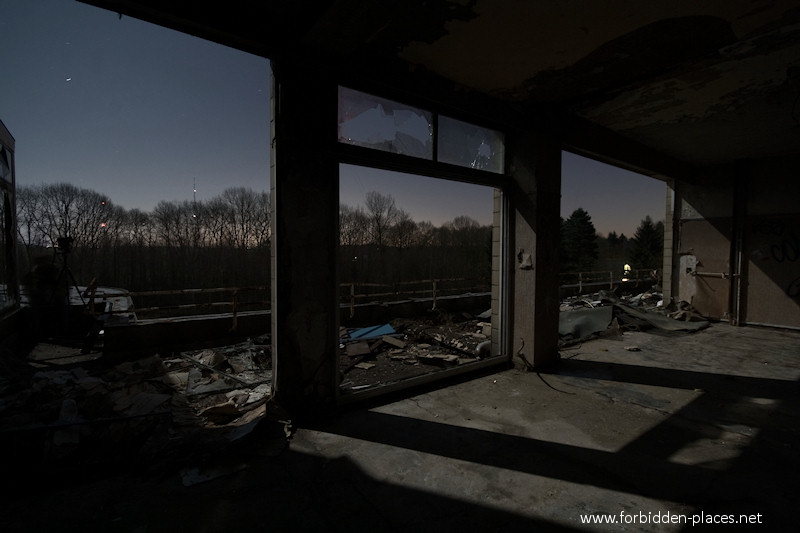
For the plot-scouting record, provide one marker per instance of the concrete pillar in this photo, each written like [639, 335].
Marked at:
[305, 206]
[669, 243]
[535, 199]
[498, 275]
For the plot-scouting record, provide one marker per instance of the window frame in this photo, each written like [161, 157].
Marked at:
[352, 154]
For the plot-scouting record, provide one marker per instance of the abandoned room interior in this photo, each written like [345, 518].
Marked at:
[495, 404]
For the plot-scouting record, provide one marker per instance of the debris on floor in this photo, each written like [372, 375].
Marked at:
[606, 313]
[59, 409]
[387, 353]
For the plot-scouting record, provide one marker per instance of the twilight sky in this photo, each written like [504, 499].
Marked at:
[139, 113]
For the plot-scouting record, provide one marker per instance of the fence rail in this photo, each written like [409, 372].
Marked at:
[184, 302]
[171, 303]
[427, 288]
[604, 278]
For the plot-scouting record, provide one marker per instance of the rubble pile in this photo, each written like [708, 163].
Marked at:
[179, 409]
[606, 313]
[404, 348]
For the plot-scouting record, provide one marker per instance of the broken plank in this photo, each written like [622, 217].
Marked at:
[358, 348]
[397, 343]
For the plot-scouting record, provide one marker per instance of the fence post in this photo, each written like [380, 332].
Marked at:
[434, 296]
[352, 300]
[580, 282]
[611, 280]
[235, 302]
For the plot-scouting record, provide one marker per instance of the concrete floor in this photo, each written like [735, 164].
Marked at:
[635, 427]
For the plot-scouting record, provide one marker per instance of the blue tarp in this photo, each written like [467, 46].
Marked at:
[371, 332]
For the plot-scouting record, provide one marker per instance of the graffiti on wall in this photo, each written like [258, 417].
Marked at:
[793, 291]
[776, 240]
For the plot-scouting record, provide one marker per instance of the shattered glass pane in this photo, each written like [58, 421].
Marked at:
[373, 122]
[467, 145]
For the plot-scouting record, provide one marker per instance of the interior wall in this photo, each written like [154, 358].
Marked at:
[737, 249]
[772, 243]
[702, 261]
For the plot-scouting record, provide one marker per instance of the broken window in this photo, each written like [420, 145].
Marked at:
[373, 122]
[381, 124]
[471, 146]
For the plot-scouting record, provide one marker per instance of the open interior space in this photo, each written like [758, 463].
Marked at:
[700, 426]
[267, 356]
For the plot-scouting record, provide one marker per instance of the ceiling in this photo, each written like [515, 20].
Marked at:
[699, 83]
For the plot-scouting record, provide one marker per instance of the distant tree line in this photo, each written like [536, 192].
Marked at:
[220, 242]
[379, 242]
[225, 241]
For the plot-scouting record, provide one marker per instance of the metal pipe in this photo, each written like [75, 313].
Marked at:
[737, 317]
[722, 275]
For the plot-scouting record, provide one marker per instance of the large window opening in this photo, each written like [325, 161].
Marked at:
[415, 267]
[614, 224]
[143, 170]
[419, 258]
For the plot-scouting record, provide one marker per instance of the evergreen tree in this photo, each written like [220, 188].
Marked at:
[617, 245]
[578, 242]
[647, 245]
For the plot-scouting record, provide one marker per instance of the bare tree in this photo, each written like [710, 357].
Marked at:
[352, 226]
[403, 232]
[48, 212]
[262, 220]
[29, 218]
[424, 236]
[246, 217]
[213, 219]
[382, 214]
[166, 220]
[464, 230]
[138, 228]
